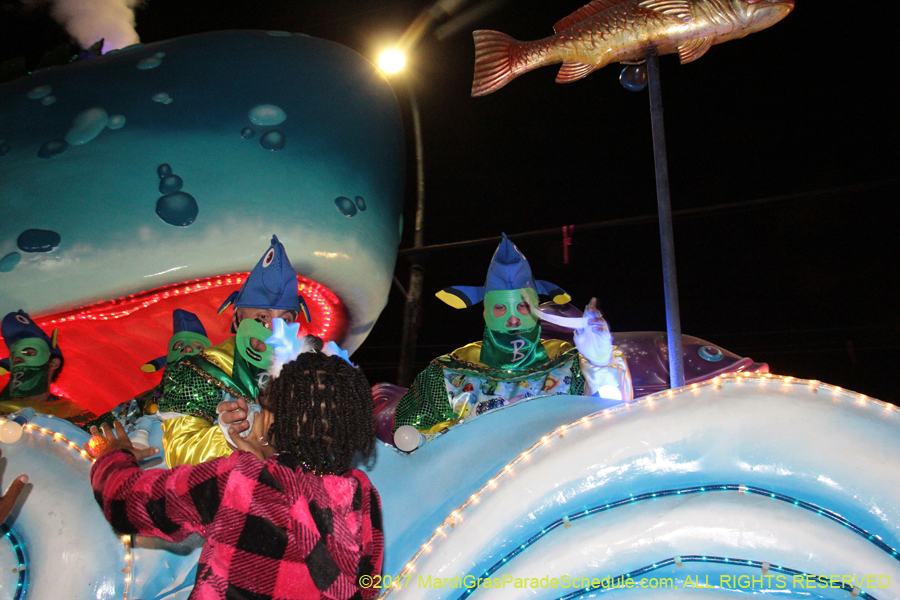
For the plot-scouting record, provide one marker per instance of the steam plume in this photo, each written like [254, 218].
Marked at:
[89, 20]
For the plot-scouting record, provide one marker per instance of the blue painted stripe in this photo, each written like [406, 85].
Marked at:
[725, 487]
[22, 583]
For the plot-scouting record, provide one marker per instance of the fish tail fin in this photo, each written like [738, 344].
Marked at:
[573, 71]
[493, 61]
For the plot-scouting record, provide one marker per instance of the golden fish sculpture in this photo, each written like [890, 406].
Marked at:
[607, 31]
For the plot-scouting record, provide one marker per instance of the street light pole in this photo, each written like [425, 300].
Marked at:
[412, 311]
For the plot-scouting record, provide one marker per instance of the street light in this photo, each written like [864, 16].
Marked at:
[391, 62]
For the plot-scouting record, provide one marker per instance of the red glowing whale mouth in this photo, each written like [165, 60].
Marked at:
[105, 344]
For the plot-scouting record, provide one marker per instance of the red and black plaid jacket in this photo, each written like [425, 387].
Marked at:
[273, 531]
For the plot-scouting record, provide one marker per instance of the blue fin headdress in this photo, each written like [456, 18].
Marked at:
[182, 320]
[509, 270]
[272, 284]
[19, 326]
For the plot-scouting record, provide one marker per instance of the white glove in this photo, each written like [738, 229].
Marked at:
[594, 342]
[252, 409]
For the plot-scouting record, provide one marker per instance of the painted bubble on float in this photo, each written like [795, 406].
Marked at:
[87, 125]
[170, 184]
[116, 122]
[267, 114]
[273, 140]
[39, 92]
[346, 206]
[9, 262]
[179, 209]
[53, 148]
[38, 240]
[175, 207]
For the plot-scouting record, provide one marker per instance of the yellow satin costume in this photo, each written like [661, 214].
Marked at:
[190, 440]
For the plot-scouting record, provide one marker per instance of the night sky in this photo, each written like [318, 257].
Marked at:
[794, 128]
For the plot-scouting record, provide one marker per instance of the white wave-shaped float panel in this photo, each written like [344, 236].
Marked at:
[66, 549]
[735, 477]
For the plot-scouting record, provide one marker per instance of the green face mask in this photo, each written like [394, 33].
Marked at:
[247, 330]
[182, 344]
[34, 351]
[501, 305]
[30, 377]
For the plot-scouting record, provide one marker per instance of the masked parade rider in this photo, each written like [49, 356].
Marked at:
[512, 362]
[233, 370]
[35, 361]
[188, 337]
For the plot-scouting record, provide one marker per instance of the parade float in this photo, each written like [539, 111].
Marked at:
[149, 179]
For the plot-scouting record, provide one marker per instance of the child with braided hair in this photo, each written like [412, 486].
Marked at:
[285, 517]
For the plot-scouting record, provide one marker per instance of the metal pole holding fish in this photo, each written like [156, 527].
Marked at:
[666, 235]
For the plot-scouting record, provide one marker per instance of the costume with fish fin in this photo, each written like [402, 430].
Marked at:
[188, 338]
[31, 352]
[195, 386]
[192, 391]
[511, 363]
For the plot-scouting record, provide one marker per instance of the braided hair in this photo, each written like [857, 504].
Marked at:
[322, 408]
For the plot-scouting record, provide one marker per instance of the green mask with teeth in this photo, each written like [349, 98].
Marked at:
[248, 330]
[250, 366]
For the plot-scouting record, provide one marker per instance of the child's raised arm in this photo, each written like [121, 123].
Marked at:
[170, 504]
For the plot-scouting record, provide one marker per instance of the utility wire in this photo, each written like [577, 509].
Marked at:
[644, 219]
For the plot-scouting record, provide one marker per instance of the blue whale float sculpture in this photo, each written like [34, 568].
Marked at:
[166, 168]
[175, 160]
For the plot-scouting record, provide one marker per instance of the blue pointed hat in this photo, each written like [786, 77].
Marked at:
[182, 320]
[185, 320]
[271, 284]
[509, 270]
[19, 326]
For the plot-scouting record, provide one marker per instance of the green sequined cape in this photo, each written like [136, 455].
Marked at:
[194, 386]
[428, 401]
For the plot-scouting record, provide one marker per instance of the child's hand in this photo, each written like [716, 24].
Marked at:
[256, 445]
[8, 500]
[107, 441]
